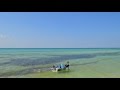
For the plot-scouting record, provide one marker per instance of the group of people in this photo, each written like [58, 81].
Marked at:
[60, 67]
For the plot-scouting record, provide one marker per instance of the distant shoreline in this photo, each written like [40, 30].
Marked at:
[59, 48]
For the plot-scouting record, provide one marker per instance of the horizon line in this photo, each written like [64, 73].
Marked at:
[63, 48]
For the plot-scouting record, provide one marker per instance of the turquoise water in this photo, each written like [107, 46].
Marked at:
[17, 62]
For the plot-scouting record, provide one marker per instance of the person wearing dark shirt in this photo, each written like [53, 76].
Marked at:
[67, 65]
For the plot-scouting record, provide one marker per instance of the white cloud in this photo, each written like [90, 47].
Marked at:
[2, 36]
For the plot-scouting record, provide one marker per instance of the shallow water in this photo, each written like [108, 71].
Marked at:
[35, 62]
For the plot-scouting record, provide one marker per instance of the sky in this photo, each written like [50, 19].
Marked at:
[59, 29]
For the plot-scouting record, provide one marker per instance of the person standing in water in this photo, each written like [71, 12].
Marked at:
[67, 65]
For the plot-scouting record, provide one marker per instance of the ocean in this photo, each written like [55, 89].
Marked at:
[36, 62]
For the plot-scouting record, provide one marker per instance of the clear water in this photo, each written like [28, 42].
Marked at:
[35, 62]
